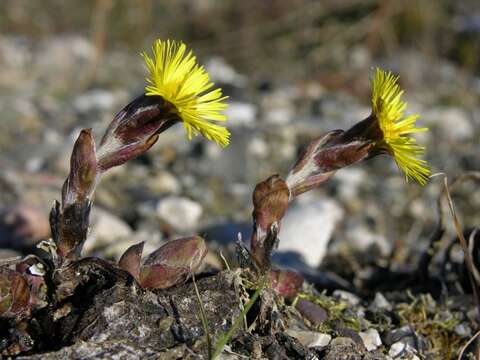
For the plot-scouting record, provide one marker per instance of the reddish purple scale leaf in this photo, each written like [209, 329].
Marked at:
[14, 293]
[131, 258]
[134, 130]
[173, 263]
[286, 283]
[81, 181]
[323, 156]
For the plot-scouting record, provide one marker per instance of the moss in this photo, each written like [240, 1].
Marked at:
[338, 313]
[429, 320]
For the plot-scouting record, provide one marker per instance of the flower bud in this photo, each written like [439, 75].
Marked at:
[173, 263]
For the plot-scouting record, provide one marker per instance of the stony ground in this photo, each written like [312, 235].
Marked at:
[359, 241]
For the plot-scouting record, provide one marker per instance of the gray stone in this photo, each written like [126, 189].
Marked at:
[221, 72]
[406, 335]
[94, 100]
[346, 296]
[22, 226]
[454, 123]
[380, 302]
[107, 229]
[463, 330]
[310, 338]
[278, 106]
[350, 180]
[241, 114]
[163, 182]
[362, 238]
[342, 341]
[180, 212]
[308, 227]
[313, 312]
[401, 350]
[9, 254]
[371, 339]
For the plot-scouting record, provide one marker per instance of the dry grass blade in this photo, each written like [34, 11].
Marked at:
[462, 351]
[468, 260]
[471, 245]
[463, 243]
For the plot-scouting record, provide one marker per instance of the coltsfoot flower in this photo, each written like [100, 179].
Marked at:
[393, 137]
[176, 76]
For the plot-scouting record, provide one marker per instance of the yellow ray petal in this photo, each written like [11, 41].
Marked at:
[176, 76]
[388, 109]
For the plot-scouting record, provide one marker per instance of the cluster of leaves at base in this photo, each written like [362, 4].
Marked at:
[31, 284]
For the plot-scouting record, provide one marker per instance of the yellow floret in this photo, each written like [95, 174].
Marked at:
[388, 109]
[176, 76]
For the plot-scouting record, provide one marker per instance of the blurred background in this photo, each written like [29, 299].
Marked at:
[293, 69]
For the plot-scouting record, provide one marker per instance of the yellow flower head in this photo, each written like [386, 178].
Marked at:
[176, 76]
[388, 109]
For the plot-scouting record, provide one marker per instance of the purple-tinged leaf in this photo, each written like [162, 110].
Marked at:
[81, 181]
[14, 293]
[173, 263]
[162, 276]
[134, 130]
[69, 221]
[6, 296]
[270, 202]
[33, 270]
[20, 293]
[322, 157]
[286, 283]
[130, 260]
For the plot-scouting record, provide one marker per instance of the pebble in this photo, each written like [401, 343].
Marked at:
[308, 227]
[346, 296]
[163, 182]
[221, 72]
[180, 212]
[94, 100]
[342, 341]
[454, 123]
[313, 312]
[107, 229]
[241, 114]
[278, 106]
[463, 330]
[401, 350]
[22, 226]
[371, 339]
[363, 239]
[310, 338]
[9, 254]
[380, 302]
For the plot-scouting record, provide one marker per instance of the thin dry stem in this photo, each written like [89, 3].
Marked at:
[472, 339]
[468, 259]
